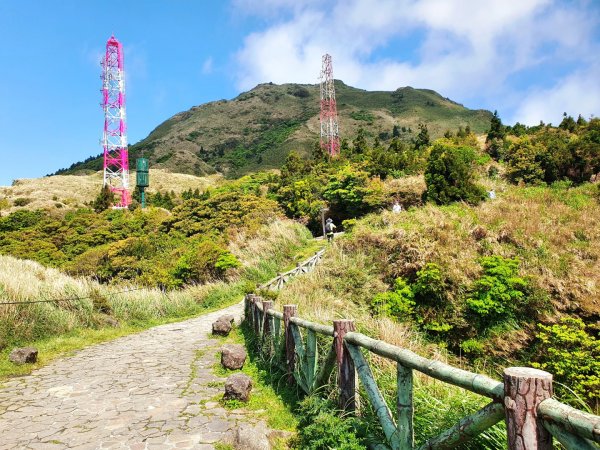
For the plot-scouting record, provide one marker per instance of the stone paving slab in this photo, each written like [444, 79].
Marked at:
[150, 390]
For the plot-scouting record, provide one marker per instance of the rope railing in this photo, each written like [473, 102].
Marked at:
[523, 399]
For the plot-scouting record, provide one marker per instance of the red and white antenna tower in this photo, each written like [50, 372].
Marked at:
[114, 139]
[330, 135]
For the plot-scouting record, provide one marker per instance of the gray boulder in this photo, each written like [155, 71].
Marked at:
[238, 387]
[26, 355]
[227, 318]
[233, 356]
[221, 327]
[248, 437]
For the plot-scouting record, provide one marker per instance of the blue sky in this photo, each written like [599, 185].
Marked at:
[529, 59]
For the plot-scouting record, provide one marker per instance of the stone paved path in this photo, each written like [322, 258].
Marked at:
[152, 390]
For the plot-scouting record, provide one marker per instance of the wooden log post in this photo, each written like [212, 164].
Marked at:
[250, 316]
[249, 310]
[524, 389]
[290, 347]
[257, 321]
[267, 337]
[345, 365]
[404, 404]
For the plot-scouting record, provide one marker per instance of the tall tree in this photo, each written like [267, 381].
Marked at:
[422, 141]
[496, 128]
[104, 199]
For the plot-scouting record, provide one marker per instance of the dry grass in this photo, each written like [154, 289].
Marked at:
[72, 191]
[553, 230]
[278, 237]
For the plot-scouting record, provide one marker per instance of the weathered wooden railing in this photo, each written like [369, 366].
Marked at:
[524, 399]
[281, 279]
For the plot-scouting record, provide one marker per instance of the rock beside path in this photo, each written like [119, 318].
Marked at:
[233, 356]
[222, 326]
[238, 387]
[26, 355]
[248, 437]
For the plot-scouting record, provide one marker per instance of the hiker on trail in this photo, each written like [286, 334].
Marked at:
[329, 229]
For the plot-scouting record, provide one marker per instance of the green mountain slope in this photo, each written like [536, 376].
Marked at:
[257, 129]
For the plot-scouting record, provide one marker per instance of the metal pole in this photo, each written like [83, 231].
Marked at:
[323, 210]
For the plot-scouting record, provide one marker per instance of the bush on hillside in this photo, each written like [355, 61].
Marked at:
[524, 162]
[351, 193]
[202, 261]
[104, 200]
[20, 220]
[450, 174]
[572, 354]
[499, 293]
[222, 212]
[398, 303]
[321, 427]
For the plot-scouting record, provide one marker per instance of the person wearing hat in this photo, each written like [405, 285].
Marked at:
[329, 229]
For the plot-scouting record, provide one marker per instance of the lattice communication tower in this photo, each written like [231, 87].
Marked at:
[114, 139]
[330, 135]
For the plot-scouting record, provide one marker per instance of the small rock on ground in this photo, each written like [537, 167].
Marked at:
[248, 437]
[233, 356]
[23, 355]
[238, 387]
[221, 327]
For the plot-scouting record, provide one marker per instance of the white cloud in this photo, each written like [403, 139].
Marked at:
[578, 93]
[467, 49]
[207, 66]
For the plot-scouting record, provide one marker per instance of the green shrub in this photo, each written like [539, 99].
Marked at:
[104, 199]
[572, 355]
[524, 162]
[430, 286]
[321, 427]
[199, 263]
[20, 220]
[472, 347]
[21, 201]
[499, 293]
[398, 303]
[347, 192]
[348, 224]
[226, 261]
[450, 174]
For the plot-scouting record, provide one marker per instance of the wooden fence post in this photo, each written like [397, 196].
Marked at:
[404, 403]
[267, 337]
[250, 316]
[524, 389]
[345, 365]
[257, 320]
[290, 348]
[248, 310]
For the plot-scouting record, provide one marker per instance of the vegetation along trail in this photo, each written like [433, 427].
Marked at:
[147, 390]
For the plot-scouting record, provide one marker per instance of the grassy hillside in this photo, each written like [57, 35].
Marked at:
[70, 191]
[257, 129]
[552, 233]
[89, 305]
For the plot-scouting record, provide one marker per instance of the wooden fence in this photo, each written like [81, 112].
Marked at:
[523, 399]
[304, 267]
